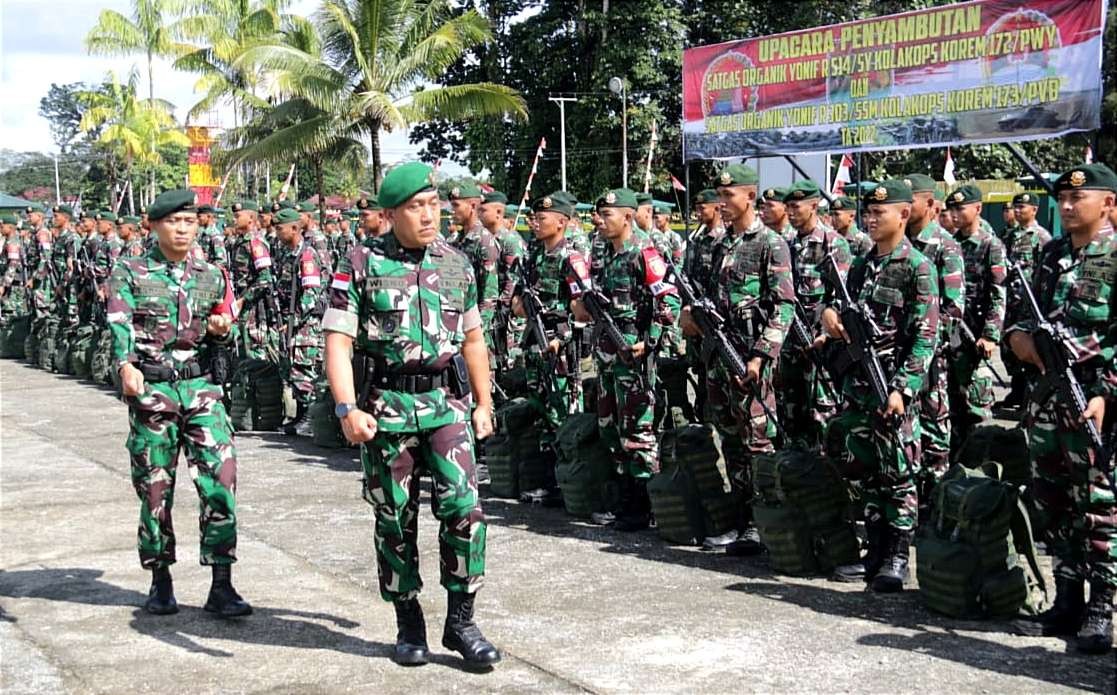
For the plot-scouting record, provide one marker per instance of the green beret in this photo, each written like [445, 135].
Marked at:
[404, 181]
[643, 199]
[738, 175]
[352, 214]
[206, 210]
[87, 215]
[939, 195]
[843, 202]
[34, 207]
[285, 216]
[774, 194]
[567, 196]
[368, 202]
[510, 211]
[1025, 199]
[824, 205]
[1088, 177]
[64, 209]
[282, 205]
[707, 195]
[662, 208]
[7, 217]
[802, 190]
[920, 183]
[618, 198]
[130, 219]
[170, 202]
[963, 195]
[465, 189]
[242, 205]
[555, 202]
[307, 206]
[495, 197]
[105, 216]
[890, 191]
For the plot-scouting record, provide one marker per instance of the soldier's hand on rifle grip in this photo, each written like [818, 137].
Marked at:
[832, 324]
[1095, 410]
[518, 307]
[1024, 347]
[689, 325]
[218, 325]
[555, 346]
[895, 406]
[580, 313]
[986, 347]
[482, 421]
[358, 427]
[819, 342]
[131, 380]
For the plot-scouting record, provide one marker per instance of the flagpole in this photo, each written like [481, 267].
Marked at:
[648, 166]
[530, 176]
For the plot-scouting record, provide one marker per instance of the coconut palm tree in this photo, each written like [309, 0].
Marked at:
[149, 31]
[379, 67]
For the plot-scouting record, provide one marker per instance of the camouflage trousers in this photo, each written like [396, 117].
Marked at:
[170, 417]
[746, 430]
[808, 401]
[934, 421]
[303, 372]
[1073, 497]
[882, 456]
[549, 392]
[258, 339]
[391, 463]
[971, 394]
[625, 416]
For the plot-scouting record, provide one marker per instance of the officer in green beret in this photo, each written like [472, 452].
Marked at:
[129, 232]
[14, 305]
[481, 248]
[699, 265]
[407, 310]
[250, 260]
[897, 286]
[372, 218]
[509, 329]
[1023, 240]
[163, 306]
[971, 377]
[773, 212]
[1075, 283]
[754, 271]
[310, 215]
[211, 239]
[843, 216]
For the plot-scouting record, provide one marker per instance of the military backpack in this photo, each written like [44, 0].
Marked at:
[586, 472]
[691, 495]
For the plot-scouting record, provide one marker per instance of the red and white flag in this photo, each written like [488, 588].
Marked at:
[1089, 155]
[948, 170]
[677, 184]
[843, 176]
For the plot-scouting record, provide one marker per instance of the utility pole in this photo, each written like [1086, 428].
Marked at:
[617, 86]
[561, 101]
[57, 185]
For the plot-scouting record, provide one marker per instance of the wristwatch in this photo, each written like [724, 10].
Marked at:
[343, 409]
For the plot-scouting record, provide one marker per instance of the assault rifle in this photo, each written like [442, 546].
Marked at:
[862, 331]
[597, 305]
[1053, 344]
[966, 337]
[535, 335]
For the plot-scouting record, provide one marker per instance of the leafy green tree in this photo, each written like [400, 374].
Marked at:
[150, 31]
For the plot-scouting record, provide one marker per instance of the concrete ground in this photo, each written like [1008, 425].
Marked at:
[574, 607]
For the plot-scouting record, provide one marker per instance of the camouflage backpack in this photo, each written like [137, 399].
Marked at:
[80, 348]
[1006, 446]
[13, 336]
[802, 511]
[256, 399]
[586, 472]
[31, 347]
[100, 360]
[512, 448]
[325, 426]
[969, 554]
[691, 495]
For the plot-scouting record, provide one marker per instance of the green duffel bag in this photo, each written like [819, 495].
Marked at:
[679, 517]
[586, 472]
[256, 401]
[13, 336]
[968, 554]
[80, 352]
[31, 346]
[1007, 446]
[324, 425]
[515, 440]
[788, 537]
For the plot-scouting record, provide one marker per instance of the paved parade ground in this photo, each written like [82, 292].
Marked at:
[573, 607]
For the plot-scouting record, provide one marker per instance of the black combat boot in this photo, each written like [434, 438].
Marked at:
[637, 514]
[747, 544]
[894, 569]
[876, 536]
[462, 634]
[1064, 616]
[859, 571]
[223, 598]
[161, 595]
[1096, 635]
[411, 636]
[296, 424]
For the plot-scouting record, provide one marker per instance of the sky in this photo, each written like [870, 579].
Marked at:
[41, 42]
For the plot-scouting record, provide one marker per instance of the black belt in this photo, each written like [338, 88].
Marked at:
[158, 372]
[412, 383]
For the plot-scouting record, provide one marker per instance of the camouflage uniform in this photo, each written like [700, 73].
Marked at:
[14, 279]
[212, 241]
[672, 366]
[251, 266]
[809, 399]
[408, 312]
[316, 238]
[698, 265]
[859, 242]
[971, 379]
[1022, 245]
[512, 251]
[1076, 287]
[901, 294]
[341, 244]
[157, 313]
[933, 405]
[301, 297]
[483, 252]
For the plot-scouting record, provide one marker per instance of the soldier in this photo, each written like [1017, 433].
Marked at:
[809, 398]
[946, 221]
[130, 236]
[773, 213]
[372, 218]
[1008, 216]
[933, 405]
[878, 441]
[47, 281]
[1074, 282]
[413, 408]
[642, 305]
[301, 299]
[667, 242]
[251, 265]
[755, 291]
[843, 213]
[343, 239]
[312, 233]
[108, 251]
[1023, 242]
[550, 371]
[163, 306]
[971, 377]
[700, 265]
[13, 281]
[210, 238]
[482, 250]
[512, 250]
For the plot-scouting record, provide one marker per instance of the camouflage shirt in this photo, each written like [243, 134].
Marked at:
[104, 259]
[300, 289]
[984, 257]
[212, 241]
[251, 266]
[859, 242]
[157, 309]
[945, 256]
[483, 252]
[698, 260]
[810, 266]
[512, 249]
[550, 273]
[642, 302]
[900, 292]
[1023, 245]
[669, 244]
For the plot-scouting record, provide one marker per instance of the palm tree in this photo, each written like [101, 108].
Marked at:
[379, 67]
[131, 129]
[147, 32]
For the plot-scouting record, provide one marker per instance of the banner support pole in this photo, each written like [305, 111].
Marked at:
[1040, 178]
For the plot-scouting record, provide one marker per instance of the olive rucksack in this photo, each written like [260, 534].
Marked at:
[586, 473]
[256, 401]
[13, 336]
[513, 450]
[802, 511]
[1003, 445]
[324, 425]
[100, 357]
[80, 348]
[691, 496]
[31, 347]
[968, 555]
